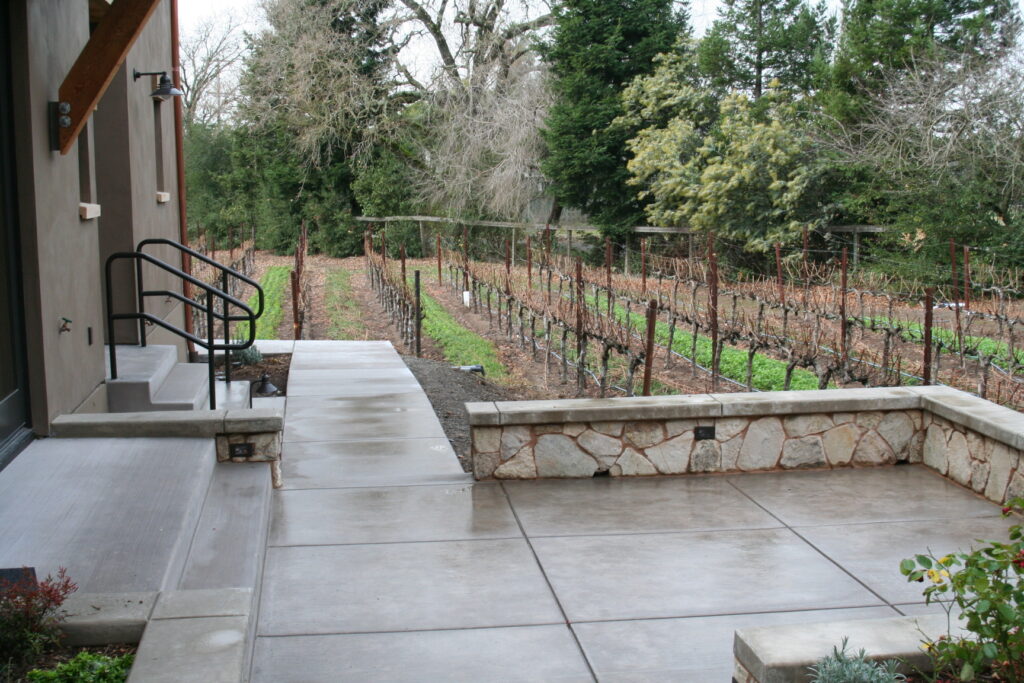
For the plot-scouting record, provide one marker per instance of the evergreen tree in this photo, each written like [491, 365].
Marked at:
[754, 42]
[597, 48]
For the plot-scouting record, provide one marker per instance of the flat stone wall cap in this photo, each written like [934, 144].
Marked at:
[253, 420]
[483, 413]
[777, 654]
[818, 401]
[980, 415]
[206, 602]
[160, 423]
[608, 409]
[101, 618]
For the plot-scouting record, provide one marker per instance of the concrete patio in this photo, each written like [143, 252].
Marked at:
[386, 562]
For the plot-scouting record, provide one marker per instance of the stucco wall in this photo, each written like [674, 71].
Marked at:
[61, 254]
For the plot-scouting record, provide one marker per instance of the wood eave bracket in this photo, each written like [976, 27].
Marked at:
[96, 65]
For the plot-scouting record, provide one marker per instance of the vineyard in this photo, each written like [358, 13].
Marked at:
[682, 324]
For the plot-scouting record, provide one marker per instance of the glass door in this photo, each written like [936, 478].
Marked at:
[13, 381]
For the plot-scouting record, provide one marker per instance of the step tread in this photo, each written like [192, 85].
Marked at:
[231, 533]
[185, 388]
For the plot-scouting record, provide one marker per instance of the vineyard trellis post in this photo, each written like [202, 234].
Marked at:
[712, 309]
[643, 266]
[529, 268]
[843, 323]
[652, 316]
[418, 314]
[804, 274]
[956, 302]
[967, 278]
[778, 273]
[928, 295]
[401, 253]
[296, 328]
[608, 270]
[508, 269]
[438, 259]
[465, 258]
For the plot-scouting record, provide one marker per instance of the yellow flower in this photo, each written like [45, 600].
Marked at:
[926, 646]
[937, 576]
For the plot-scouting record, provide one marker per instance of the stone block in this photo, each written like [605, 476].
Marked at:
[521, 466]
[897, 428]
[731, 453]
[959, 459]
[484, 465]
[814, 401]
[599, 444]
[762, 445]
[1015, 489]
[1001, 460]
[728, 427]
[706, 457]
[558, 456]
[644, 434]
[513, 439]
[677, 427]
[934, 450]
[608, 428]
[979, 476]
[486, 439]
[873, 450]
[869, 419]
[806, 451]
[672, 456]
[977, 414]
[632, 464]
[574, 428]
[803, 425]
[547, 429]
[840, 442]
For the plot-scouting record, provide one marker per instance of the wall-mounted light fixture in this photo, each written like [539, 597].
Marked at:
[164, 88]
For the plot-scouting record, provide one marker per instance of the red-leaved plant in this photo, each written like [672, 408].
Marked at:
[30, 619]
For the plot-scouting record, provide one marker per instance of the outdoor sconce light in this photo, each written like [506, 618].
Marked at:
[265, 387]
[164, 87]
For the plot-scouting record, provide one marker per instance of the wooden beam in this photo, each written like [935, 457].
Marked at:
[99, 60]
[855, 229]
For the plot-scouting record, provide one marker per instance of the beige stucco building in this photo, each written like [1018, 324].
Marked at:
[121, 165]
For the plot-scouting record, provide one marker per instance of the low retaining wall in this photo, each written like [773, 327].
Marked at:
[972, 441]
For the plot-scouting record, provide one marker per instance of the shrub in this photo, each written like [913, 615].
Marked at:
[249, 356]
[841, 667]
[30, 617]
[987, 586]
[86, 667]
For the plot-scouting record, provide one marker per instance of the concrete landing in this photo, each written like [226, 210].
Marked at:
[386, 563]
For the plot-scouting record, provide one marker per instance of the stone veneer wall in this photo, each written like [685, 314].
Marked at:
[961, 436]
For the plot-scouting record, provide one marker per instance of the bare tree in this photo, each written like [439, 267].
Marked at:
[211, 56]
[946, 120]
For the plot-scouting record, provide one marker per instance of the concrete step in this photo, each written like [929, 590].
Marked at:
[140, 372]
[234, 395]
[227, 550]
[184, 388]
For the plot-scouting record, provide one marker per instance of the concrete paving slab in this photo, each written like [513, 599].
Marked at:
[102, 618]
[117, 513]
[210, 649]
[321, 382]
[339, 345]
[347, 360]
[403, 586]
[350, 419]
[872, 552]
[310, 465]
[275, 346]
[693, 574]
[211, 602]
[527, 653]
[391, 515]
[610, 506]
[695, 650]
[904, 492]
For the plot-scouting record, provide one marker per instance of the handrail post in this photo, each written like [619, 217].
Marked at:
[210, 353]
[111, 342]
[139, 289]
[227, 331]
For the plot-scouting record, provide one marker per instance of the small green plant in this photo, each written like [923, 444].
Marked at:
[30, 619]
[843, 667]
[86, 667]
[987, 586]
[274, 283]
[460, 346]
[249, 356]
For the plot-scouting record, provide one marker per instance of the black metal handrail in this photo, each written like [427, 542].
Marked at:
[213, 293]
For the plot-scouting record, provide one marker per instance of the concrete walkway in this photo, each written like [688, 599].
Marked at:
[386, 563]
